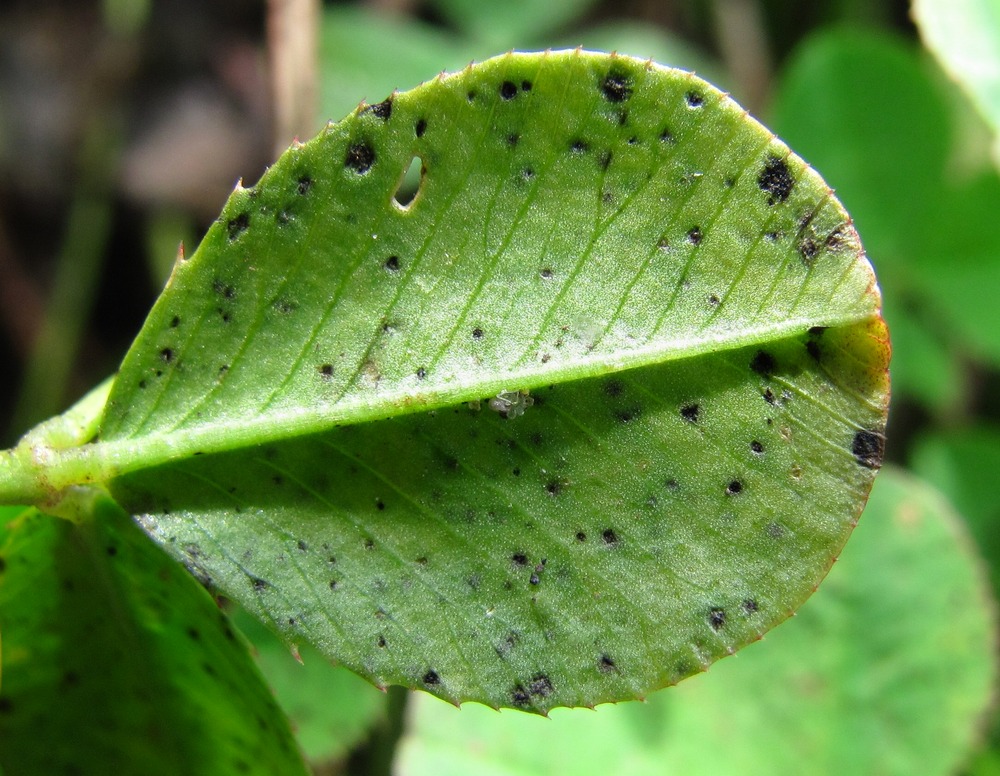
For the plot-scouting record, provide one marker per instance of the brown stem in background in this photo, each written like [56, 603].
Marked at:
[292, 35]
[739, 30]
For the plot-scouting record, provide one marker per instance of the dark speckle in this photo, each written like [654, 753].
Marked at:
[513, 139]
[690, 412]
[167, 355]
[616, 86]
[392, 264]
[581, 536]
[259, 584]
[333, 584]
[579, 147]
[868, 448]
[610, 537]
[553, 487]
[750, 606]
[813, 349]
[236, 226]
[769, 398]
[546, 272]
[508, 90]
[717, 618]
[305, 183]
[525, 86]
[519, 559]
[477, 333]
[541, 686]
[763, 363]
[383, 109]
[175, 322]
[666, 136]
[420, 128]
[734, 488]
[302, 545]
[421, 373]
[519, 696]
[326, 371]
[627, 415]
[431, 678]
[614, 388]
[694, 235]
[606, 665]
[360, 157]
[694, 99]
[605, 160]
[756, 447]
[776, 180]
[808, 250]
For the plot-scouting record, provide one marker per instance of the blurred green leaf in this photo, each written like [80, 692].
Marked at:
[331, 709]
[683, 299]
[965, 37]
[960, 463]
[511, 24]
[116, 661]
[888, 669]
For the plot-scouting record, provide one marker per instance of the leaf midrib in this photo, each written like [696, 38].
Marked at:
[101, 461]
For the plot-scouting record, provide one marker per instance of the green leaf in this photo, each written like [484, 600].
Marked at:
[331, 709]
[965, 37]
[319, 415]
[116, 661]
[888, 669]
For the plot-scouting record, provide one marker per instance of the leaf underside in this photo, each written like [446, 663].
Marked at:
[685, 300]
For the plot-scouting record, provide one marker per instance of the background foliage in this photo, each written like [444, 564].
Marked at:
[124, 124]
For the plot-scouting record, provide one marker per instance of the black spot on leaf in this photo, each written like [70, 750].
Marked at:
[513, 139]
[666, 136]
[614, 388]
[627, 415]
[868, 448]
[694, 99]
[420, 128]
[526, 86]
[421, 373]
[541, 686]
[606, 665]
[305, 183]
[694, 235]
[383, 109]
[520, 697]
[175, 322]
[717, 618]
[605, 160]
[690, 412]
[579, 147]
[756, 447]
[431, 678]
[392, 264]
[750, 606]
[519, 559]
[236, 226]
[776, 180]
[610, 537]
[360, 157]
[326, 371]
[581, 536]
[616, 86]
[259, 584]
[508, 90]
[763, 363]
[167, 355]
[477, 333]
[734, 488]
[808, 250]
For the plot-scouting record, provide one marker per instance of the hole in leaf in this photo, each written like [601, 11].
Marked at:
[410, 184]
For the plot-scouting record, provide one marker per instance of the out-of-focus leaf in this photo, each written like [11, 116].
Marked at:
[961, 464]
[116, 661]
[965, 37]
[331, 709]
[512, 23]
[888, 669]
